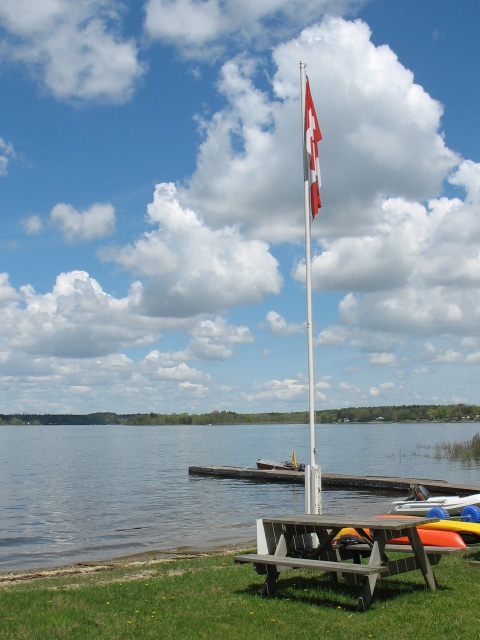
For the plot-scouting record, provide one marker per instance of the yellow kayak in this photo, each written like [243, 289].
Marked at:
[468, 531]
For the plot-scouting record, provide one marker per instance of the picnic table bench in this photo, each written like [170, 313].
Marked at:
[309, 542]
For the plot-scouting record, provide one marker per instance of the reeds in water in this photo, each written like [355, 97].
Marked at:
[468, 451]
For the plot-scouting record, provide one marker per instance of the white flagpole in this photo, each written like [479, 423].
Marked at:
[313, 503]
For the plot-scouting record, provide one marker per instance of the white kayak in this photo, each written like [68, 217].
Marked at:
[422, 503]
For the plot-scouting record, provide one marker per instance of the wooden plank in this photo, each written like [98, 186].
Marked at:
[268, 475]
[356, 521]
[317, 565]
[338, 480]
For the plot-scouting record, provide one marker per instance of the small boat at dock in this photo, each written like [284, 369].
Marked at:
[286, 465]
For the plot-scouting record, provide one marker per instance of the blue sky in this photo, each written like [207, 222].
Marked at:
[152, 245]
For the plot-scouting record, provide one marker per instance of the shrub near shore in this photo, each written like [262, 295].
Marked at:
[211, 597]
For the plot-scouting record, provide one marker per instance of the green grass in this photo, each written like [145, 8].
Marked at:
[212, 598]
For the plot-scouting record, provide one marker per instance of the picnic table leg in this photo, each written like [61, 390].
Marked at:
[369, 582]
[270, 585]
[422, 558]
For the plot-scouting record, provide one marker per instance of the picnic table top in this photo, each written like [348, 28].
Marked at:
[350, 520]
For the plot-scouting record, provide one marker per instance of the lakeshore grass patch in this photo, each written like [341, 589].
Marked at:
[211, 597]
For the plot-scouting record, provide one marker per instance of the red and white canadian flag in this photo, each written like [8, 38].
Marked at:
[313, 135]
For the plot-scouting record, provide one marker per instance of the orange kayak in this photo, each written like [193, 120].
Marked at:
[429, 537]
[468, 531]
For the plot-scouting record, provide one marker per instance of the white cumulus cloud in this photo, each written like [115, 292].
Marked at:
[279, 327]
[76, 319]
[381, 136]
[190, 268]
[32, 224]
[200, 27]
[215, 339]
[97, 221]
[73, 47]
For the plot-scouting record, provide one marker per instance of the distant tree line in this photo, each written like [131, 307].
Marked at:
[411, 413]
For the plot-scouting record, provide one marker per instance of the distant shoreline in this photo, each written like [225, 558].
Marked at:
[442, 414]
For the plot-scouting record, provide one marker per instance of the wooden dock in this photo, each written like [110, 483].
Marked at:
[336, 480]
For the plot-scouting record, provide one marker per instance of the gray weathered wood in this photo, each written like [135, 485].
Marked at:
[283, 547]
[337, 479]
[305, 563]
[354, 521]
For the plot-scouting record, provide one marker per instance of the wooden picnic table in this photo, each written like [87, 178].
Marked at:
[308, 542]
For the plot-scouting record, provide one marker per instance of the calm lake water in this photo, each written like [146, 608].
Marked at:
[72, 494]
